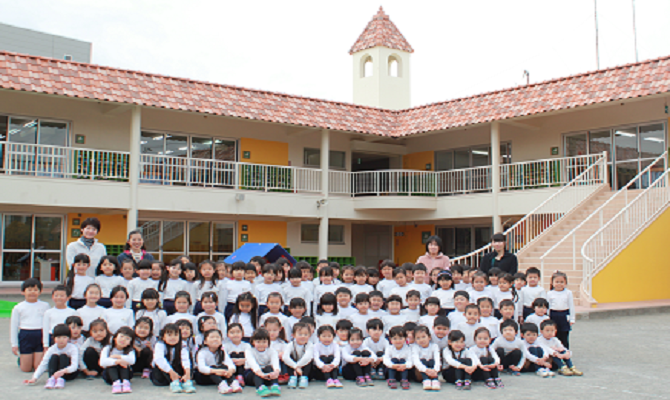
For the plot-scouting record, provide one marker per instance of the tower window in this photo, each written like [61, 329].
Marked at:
[394, 67]
[367, 67]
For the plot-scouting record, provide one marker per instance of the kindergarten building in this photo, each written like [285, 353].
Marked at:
[574, 169]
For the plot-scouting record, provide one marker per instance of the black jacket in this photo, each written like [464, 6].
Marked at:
[508, 263]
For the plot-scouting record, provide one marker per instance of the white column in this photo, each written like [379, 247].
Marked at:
[495, 174]
[134, 167]
[323, 208]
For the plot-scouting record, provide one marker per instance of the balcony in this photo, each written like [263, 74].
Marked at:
[396, 187]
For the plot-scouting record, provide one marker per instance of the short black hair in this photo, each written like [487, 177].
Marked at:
[462, 293]
[61, 330]
[258, 335]
[250, 267]
[505, 303]
[495, 271]
[361, 271]
[308, 321]
[325, 328]
[145, 264]
[442, 321]
[344, 290]
[529, 327]
[392, 298]
[374, 323]
[413, 293]
[498, 237]
[302, 265]
[419, 267]
[294, 273]
[399, 271]
[533, 271]
[397, 331]
[438, 242]
[61, 288]
[344, 324]
[258, 259]
[387, 263]
[323, 261]
[373, 272]
[238, 265]
[546, 323]
[326, 271]
[507, 323]
[30, 283]
[376, 293]
[74, 319]
[297, 302]
[361, 298]
[94, 222]
[520, 275]
[455, 336]
[456, 268]
[540, 302]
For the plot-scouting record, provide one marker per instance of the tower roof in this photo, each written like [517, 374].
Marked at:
[381, 32]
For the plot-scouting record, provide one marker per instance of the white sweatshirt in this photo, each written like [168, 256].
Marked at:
[108, 351]
[118, 317]
[89, 314]
[348, 357]
[432, 352]
[107, 283]
[70, 350]
[405, 352]
[163, 358]
[206, 360]
[332, 349]
[53, 317]
[256, 360]
[297, 356]
[27, 316]
[561, 301]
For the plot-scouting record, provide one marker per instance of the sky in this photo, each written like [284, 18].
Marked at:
[461, 48]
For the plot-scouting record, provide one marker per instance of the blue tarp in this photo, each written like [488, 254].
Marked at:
[270, 251]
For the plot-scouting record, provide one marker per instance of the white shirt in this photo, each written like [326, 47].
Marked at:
[107, 283]
[422, 288]
[172, 319]
[561, 301]
[207, 286]
[391, 320]
[322, 289]
[487, 351]
[95, 253]
[446, 297]
[116, 318]
[405, 352]
[427, 320]
[172, 286]
[432, 352]
[70, 350]
[528, 294]
[81, 282]
[492, 324]
[332, 349]
[326, 319]
[282, 318]
[376, 347]
[158, 317]
[345, 312]
[476, 295]
[231, 347]
[108, 351]
[377, 314]
[360, 321]
[451, 359]
[536, 319]
[348, 357]
[469, 332]
[462, 286]
[411, 315]
[27, 316]
[256, 360]
[163, 358]
[554, 345]
[220, 323]
[89, 314]
[207, 359]
[263, 290]
[90, 342]
[243, 319]
[455, 318]
[402, 292]
[385, 286]
[297, 356]
[508, 346]
[138, 285]
[356, 289]
[235, 288]
[53, 317]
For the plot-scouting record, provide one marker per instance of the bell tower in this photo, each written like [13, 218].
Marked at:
[381, 57]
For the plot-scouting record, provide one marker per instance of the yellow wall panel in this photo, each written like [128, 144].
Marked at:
[408, 246]
[112, 227]
[263, 232]
[419, 160]
[264, 152]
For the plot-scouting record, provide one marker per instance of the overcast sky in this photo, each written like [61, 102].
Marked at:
[301, 47]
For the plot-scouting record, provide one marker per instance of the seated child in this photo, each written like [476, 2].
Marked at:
[89, 352]
[172, 362]
[460, 363]
[486, 358]
[298, 357]
[377, 343]
[461, 299]
[376, 304]
[398, 359]
[358, 359]
[214, 365]
[510, 348]
[470, 325]
[117, 359]
[537, 356]
[236, 350]
[413, 310]
[561, 357]
[327, 356]
[61, 360]
[263, 361]
[426, 358]
[394, 317]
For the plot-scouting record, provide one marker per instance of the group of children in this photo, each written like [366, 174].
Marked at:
[265, 324]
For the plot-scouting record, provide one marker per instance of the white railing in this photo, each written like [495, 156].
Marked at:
[468, 180]
[407, 182]
[544, 173]
[535, 223]
[65, 162]
[608, 208]
[339, 182]
[621, 230]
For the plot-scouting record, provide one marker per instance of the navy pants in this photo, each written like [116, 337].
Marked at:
[392, 373]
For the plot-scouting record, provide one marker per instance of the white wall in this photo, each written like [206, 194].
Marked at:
[382, 90]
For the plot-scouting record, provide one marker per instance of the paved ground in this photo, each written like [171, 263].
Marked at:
[622, 358]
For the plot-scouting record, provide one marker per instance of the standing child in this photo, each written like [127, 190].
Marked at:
[55, 315]
[275, 304]
[373, 277]
[348, 276]
[251, 274]
[296, 290]
[307, 275]
[138, 285]
[486, 318]
[298, 357]
[107, 276]
[470, 325]
[327, 356]
[401, 288]
[77, 281]
[265, 287]
[117, 359]
[235, 287]
[118, 316]
[150, 309]
[446, 292]
[187, 337]
[60, 360]
[387, 284]
[394, 316]
[361, 279]
[215, 367]
[426, 358]
[182, 302]
[209, 301]
[432, 278]
[479, 287]
[326, 312]
[532, 291]
[89, 352]
[360, 319]
[398, 359]
[143, 344]
[236, 349]
[127, 271]
[440, 334]
[296, 308]
[519, 281]
[461, 300]
[376, 304]
[457, 275]
[263, 361]
[207, 282]
[245, 313]
[507, 291]
[158, 271]
[326, 286]
[170, 285]
[358, 359]
[344, 306]
[486, 358]
[460, 362]
[377, 343]
[413, 310]
[188, 274]
[432, 307]
[540, 306]
[172, 363]
[91, 311]
[561, 307]
[561, 356]
[420, 273]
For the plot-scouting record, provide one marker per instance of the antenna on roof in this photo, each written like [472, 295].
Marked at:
[635, 32]
[595, 14]
[527, 75]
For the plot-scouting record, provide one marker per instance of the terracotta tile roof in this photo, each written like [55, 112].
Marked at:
[66, 78]
[381, 32]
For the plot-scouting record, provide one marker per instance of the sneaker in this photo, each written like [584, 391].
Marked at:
[330, 383]
[126, 386]
[60, 383]
[435, 384]
[404, 384]
[240, 380]
[292, 382]
[337, 383]
[427, 384]
[565, 371]
[283, 379]
[459, 385]
[224, 388]
[360, 381]
[368, 381]
[576, 372]
[175, 387]
[188, 387]
[515, 373]
[117, 388]
[542, 372]
[235, 387]
[499, 383]
[393, 384]
[467, 385]
[491, 384]
[275, 390]
[303, 382]
[381, 374]
[146, 374]
[263, 391]
[51, 382]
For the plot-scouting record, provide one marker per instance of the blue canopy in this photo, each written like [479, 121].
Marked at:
[270, 251]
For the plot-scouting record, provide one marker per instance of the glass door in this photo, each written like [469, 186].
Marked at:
[626, 156]
[32, 246]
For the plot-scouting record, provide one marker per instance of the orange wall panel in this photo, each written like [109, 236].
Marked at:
[408, 244]
[264, 152]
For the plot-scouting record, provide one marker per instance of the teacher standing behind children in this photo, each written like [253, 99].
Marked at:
[434, 257]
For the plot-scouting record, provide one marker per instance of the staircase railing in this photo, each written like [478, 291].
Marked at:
[610, 207]
[621, 230]
[535, 223]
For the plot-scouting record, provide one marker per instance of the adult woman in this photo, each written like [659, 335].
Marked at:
[434, 257]
[87, 244]
[499, 257]
[134, 249]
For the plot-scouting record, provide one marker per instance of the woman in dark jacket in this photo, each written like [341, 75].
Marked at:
[134, 249]
[499, 257]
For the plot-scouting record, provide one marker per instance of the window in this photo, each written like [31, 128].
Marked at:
[186, 146]
[366, 66]
[33, 131]
[200, 240]
[309, 233]
[394, 67]
[476, 156]
[337, 159]
[462, 240]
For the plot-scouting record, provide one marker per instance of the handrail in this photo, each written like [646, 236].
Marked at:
[599, 211]
[619, 231]
[536, 222]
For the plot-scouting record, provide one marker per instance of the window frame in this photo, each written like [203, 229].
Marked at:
[189, 137]
[330, 158]
[469, 149]
[329, 233]
[68, 124]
